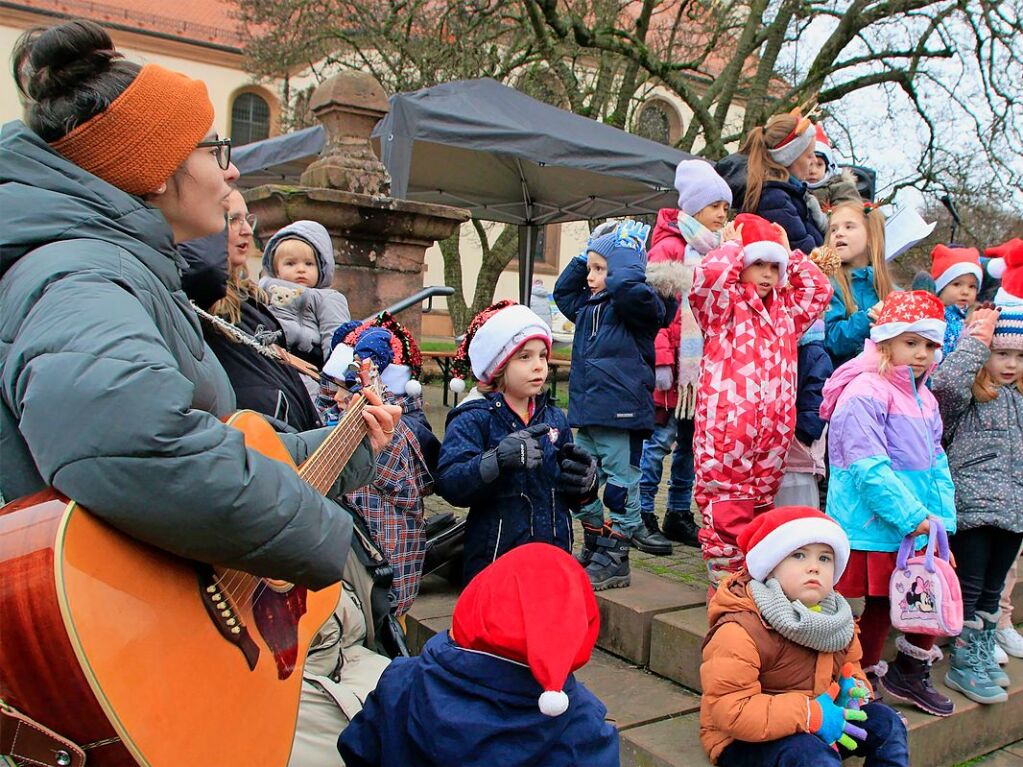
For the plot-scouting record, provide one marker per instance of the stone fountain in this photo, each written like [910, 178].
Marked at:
[379, 242]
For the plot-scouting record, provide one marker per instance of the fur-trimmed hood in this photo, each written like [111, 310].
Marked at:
[670, 279]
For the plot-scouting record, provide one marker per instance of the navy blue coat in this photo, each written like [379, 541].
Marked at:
[612, 381]
[450, 706]
[516, 508]
[784, 202]
[814, 368]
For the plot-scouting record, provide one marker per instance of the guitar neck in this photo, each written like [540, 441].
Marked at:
[325, 465]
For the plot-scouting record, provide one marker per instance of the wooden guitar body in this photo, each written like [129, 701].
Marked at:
[142, 657]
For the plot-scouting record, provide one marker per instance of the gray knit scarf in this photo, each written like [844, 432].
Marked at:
[829, 630]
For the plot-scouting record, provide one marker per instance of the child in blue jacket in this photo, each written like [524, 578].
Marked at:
[617, 315]
[507, 452]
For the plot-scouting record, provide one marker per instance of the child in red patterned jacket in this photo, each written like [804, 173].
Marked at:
[753, 301]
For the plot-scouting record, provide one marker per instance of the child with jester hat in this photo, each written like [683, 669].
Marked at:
[889, 478]
[782, 682]
[618, 306]
[753, 299]
[507, 452]
[392, 504]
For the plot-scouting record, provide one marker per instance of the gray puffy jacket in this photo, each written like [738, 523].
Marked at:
[984, 441]
[109, 394]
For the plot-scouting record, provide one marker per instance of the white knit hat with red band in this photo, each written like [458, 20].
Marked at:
[913, 311]
[794, 144]
[501, 336]
[761, 241]
[772, 536]
[948, 264]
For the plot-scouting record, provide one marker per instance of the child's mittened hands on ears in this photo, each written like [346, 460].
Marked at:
[784, 235]
[982, 324]
[852, 692]
[834, 721]
[731, 232]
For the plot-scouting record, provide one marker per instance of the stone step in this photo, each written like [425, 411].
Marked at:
[933, 742]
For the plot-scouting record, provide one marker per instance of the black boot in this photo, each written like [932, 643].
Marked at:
[608, 567]
[909, 679]
[649, 539]
[679, 527]
[590, 535]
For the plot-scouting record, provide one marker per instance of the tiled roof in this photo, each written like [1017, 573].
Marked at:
[206, 22]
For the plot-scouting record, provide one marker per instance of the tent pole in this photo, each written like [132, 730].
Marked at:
[527, 248]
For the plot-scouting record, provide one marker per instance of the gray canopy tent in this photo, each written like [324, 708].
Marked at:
[509, 158]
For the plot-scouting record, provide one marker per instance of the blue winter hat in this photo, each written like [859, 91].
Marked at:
[375, 344]
[344, 330]
[699, 185]
[616, 245]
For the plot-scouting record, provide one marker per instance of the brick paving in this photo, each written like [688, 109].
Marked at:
[685, 565]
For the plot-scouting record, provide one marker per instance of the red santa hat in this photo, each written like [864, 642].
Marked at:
[492, 338]
[772, 536]
[1007, 265]
[790, 148]
[761, 241]
[824, 149]
[948, 264]
[534, 606]
[914, 311]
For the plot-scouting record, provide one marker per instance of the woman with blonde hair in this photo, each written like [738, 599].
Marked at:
[779, 158]
[856, 233]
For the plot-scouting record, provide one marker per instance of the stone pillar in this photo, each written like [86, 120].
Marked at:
[379, 242]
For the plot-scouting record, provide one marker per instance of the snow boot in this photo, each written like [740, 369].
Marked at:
[967, 672]
[590, 535]
[679, 526]
[649, 539]
[987, 648]
[909, 679]
[608, 567]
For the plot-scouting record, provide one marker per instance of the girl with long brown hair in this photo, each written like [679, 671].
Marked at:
[856, 233]
[779, 155]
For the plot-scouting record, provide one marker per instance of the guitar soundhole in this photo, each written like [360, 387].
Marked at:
[224, 614]
[277, 614]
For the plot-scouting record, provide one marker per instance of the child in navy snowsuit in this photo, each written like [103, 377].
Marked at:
[617, 314]
[507, 452]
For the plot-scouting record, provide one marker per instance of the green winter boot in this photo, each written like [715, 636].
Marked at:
[968, 670]
[994, 671]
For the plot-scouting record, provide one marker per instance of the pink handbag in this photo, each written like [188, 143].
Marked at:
[924, 591]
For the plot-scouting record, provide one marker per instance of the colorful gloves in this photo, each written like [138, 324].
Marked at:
[519, 450]
[833, 724]
[852, 692]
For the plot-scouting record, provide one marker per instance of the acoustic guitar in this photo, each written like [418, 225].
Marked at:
[141, 657]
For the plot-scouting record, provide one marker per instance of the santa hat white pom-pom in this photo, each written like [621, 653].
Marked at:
[553, 703]
[413, 388]
[996, 268]
[457, 385]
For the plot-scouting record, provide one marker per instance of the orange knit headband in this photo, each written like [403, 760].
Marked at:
[138, 141]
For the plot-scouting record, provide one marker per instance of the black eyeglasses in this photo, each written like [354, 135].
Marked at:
[222, 153]
[235, 221]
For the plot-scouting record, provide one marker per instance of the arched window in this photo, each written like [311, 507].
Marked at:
[654, 122]
[250, 119]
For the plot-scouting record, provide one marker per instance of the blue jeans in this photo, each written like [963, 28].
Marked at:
[886, 746]
[618, 451]
[677, 432]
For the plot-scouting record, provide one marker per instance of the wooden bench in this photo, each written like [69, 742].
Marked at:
[445, 360]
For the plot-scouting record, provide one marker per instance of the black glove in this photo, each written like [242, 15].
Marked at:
[578, 471]
[519, 450]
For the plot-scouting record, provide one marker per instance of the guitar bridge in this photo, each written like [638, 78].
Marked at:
[224, 614]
